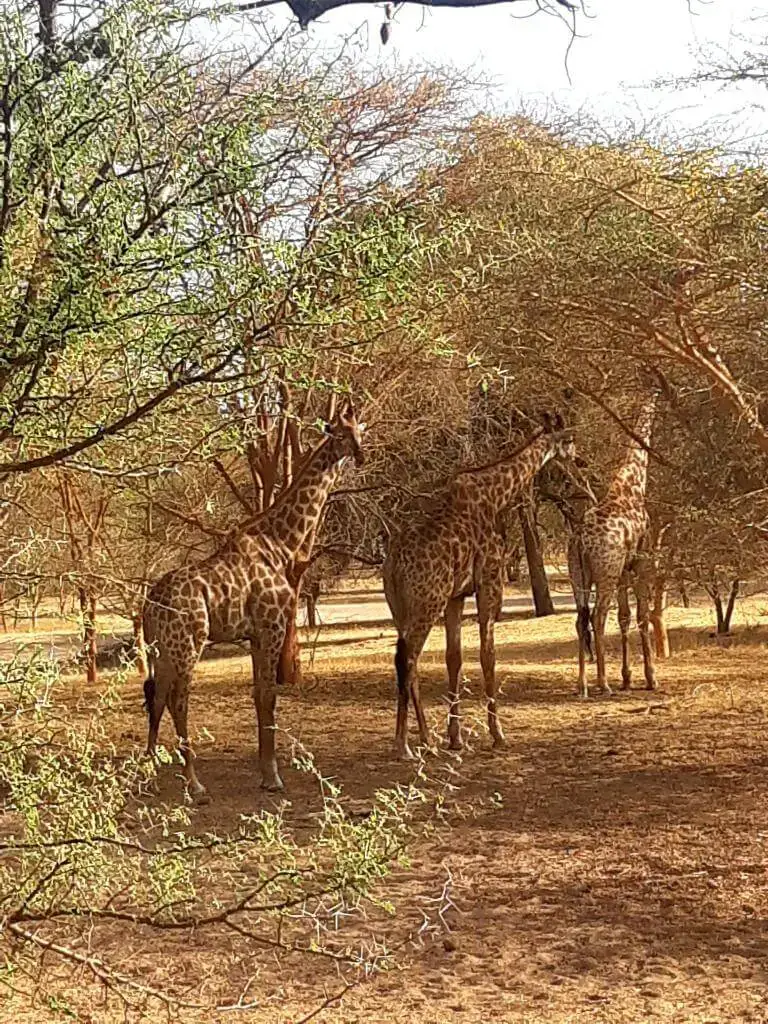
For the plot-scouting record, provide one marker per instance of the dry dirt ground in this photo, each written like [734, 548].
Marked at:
[613, 868]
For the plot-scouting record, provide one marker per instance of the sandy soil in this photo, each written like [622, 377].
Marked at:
[611, 868]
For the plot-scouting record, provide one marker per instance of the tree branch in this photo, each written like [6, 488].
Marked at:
[309, 10]
[119, 425]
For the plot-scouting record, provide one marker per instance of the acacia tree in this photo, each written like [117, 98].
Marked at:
[127, 278]
[592, 258]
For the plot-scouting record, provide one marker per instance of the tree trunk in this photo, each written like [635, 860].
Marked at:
[730, 606]
[723, 617]
[36, 599]
[2, 608]
[542, 599]
[88, 649]
[289, 668]
[513, 565]
[683, 593]
[659, 617]
[311, 600]
[289, 672]
[719, 614]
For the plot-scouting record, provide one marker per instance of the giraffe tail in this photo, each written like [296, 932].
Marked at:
[150, 686]
[401, 665]
[149, 695]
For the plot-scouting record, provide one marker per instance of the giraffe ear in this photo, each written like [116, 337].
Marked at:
[558, 423]
[327, 428]
[546, 419]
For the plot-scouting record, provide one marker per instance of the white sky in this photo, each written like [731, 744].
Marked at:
[624, 46]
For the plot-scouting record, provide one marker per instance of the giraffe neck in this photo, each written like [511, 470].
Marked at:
[295, 516]
[632, 473]
[494, 487]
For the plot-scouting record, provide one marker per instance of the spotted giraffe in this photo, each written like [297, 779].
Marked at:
[434, 564]
[607, 552]
[246, 590]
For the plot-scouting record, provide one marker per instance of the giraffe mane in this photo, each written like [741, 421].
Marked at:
[251, 525]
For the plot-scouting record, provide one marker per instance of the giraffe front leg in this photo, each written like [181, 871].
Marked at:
[599, 617]
[583, 627]
[265, 700]
[625, 617]
[642, 592]
[453, 616]
[489, 599]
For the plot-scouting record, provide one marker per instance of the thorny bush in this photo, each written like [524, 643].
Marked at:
[92, 866]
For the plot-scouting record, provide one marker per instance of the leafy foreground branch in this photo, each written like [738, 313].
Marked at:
[100, 888]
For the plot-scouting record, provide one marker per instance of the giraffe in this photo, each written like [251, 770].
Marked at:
[434, 563]
[246, 590]
[607, 551]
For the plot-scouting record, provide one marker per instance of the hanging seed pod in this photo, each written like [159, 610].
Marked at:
[384, 32]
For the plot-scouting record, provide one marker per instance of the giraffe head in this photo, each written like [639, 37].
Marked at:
[345, 434]
[562, 445]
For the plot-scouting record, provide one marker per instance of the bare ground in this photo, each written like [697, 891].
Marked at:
[612, 867]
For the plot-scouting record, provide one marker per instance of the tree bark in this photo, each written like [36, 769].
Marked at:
[723, 616]
[88, 649]
[311, 599]
[513, 565]
[542, 599]
[289, 672]
[36, 599]
[659, 617]
[734, 593]
[289, 668]
[719, 614]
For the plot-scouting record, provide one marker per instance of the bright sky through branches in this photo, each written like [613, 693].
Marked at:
[623, 47]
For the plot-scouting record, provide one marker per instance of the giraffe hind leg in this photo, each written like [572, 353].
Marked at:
[624, 616]
[453, 616]
[156, 688]
[406, 660]
[401, 727]
[599, 616]
[489, 601]
[178, 704]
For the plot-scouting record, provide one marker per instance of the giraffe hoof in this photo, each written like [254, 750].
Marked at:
[404, 753]
[455, 743]
[499, 743]
[198, 794]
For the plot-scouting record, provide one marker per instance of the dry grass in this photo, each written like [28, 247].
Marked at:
[613, 868]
